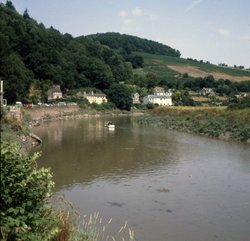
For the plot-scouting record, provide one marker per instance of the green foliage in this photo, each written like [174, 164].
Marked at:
[182, 98]
[24, 191]
[130, 43]
[136, 60]
[103, 106]
[139, 106]
[158, 65]
[31, 54]
[151, 81]
[120, 95]
[151, 106]
[209, 121]
[235, 103]
[33, 58]
[100, 73]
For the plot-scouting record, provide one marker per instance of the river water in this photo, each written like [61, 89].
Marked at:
[168, 186]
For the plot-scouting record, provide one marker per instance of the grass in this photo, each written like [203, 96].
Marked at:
[218, 122]
[157, 64]
[92, 227]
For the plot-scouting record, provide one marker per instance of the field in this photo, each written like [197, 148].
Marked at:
[165, 67]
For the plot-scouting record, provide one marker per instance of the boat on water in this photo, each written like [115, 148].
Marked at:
[110, 125]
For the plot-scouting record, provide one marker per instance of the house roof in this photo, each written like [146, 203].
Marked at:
[95, 94]
[55, 89]
[158, 97]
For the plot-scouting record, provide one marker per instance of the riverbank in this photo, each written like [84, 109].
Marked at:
[217, 122]
[17, 128]
[38, 115]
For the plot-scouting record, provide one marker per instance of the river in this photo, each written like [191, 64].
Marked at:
[168, 186]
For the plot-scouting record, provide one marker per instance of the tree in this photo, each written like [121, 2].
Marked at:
[26, 13]
[151, 80]
[17, 78]
[99, 73]
[121, 70]
[176, 97]
[182, 98]
[10, 5]
[34, 95]
[128, 43]
[120, 95]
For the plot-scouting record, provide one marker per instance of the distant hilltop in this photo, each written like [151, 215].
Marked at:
[129, 43]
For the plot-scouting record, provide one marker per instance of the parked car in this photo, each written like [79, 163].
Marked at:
[28, 105]
[61, 104]
[19, 104]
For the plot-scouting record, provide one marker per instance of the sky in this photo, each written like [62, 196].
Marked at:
[217, 31]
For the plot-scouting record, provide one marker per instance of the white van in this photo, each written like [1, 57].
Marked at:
[19, 104]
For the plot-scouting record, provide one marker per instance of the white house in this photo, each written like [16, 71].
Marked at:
[159, 97]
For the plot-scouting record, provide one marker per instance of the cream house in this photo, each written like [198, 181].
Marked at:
[97, 98]
[54, 93]
[159, 97]
[136, 98]
[207, 92]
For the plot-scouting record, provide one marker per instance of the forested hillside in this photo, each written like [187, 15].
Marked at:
[128, 43]
[33, 58]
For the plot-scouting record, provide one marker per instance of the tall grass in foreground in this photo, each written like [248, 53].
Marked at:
[92, 227]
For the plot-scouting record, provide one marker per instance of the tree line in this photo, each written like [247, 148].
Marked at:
[128, 44]
[33, 58]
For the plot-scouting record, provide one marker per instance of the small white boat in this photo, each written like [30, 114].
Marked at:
[110, 125]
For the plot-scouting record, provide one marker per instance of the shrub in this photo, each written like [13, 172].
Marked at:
[151, 106]
[25, 214]
[103, 106]
[139, 106]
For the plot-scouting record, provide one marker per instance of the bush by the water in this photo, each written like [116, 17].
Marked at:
[25, 215]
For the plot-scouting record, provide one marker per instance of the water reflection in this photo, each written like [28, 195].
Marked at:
[83, 150]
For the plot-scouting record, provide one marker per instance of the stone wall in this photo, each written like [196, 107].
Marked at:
[51, 112]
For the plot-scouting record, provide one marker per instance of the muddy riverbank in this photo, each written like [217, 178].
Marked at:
[38, 115]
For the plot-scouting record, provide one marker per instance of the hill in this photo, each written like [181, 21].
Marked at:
[34, 58]
[167, 67]
[128, 44]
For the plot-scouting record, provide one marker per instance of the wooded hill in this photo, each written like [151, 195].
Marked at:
[127, 43]
[33, 58]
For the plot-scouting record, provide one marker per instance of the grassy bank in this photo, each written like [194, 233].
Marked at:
[219, 122]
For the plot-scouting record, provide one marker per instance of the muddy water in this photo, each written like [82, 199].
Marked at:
[167, 185]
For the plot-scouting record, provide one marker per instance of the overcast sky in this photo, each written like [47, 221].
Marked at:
[212, 30]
